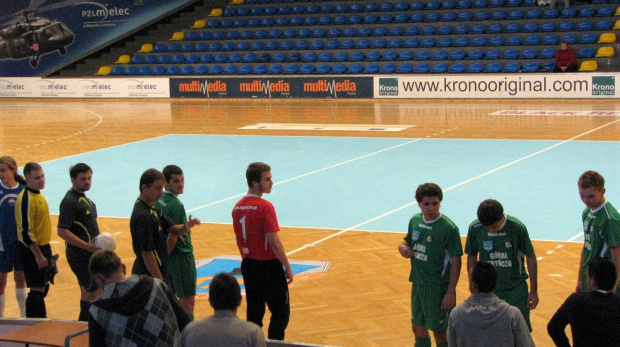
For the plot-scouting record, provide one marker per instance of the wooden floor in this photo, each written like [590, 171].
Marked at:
[363, 299]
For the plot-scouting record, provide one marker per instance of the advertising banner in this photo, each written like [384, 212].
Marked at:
[511, 86]
[84, 88]
[39, 35]
[273, 88]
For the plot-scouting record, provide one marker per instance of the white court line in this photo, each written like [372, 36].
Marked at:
[311, 173]
[456, 186]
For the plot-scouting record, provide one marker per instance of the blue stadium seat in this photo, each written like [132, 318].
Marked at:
[496, 41]
[395, 31]
[529, 53]
[355, 19]
[379, 43]
[432, 5]
[480, 4]
[256, 11]
[206, 58]
[226, 23]
[325, 57]
[386, 18]
[439, 68]
[444, 30]
[571, 39]
[423, 55]
[234, 58]
[493, 67]
[137, 59]
[158, 70]
[547, 66]
[516, 14]
[401, 6]
[279, 57]
[341, 8]
[253, 22]
[566, 26]
[388, 68]
[325, 20]
[150, 59]
[482, 16]
[475, 54]
[532, 40]
[461, 29]
[462, 41]
[497, 3]
[496, 28]
[448, 4]
[327, 8]
[340, 20]
[416, 6]
[228, 46]
[347, 44]
[416, 17]
[160, 47]
[405, 68]
[428, 42]
[309, 57]
[371, 68]
[286, 45]
[530, 3]
[322, 69]
[546, 53]
[291, 69]
[449, 17]
[605, 12]
[514, 40]
[551, 39]
[216, 70]
[370, 19]
[511, 53]
[475, 67]
[568, 13]
[312, 20]
[299, 9]
[512, 28]
[530, 66]
[441, 54]
[457, 54]
[349, 32]
[173, 70]
[395, 43]
[273, 34]
[512, 67]
[306, 69]
[586, 12]
[401, 18]
[432, 17]
[312, 9]
[275, 69]
[604, 25]
[339, 69]
[415, 30]
[357, 56]
[465, 16]
[371, 7]
[304, 33]
[444, 42]
[533, 14]
[585, 26]
[258, 46]
[317, 44]
[164, 59]
[145, 70]
[386, 7]
[213, 23]
[187, 47]
[550, 13]
[289, 33]
[192, 58]
[588, 38]
[205, 35]
[219, 35]
[270, 10]
[422, 68]
[245, 69]
[457, 68]
[479, 41]
[373, 56]
[355, 69]
[530, 27]
[296, 21]
[294, 57]
[463, 4]
[389, 55]
[380, 31]
[405, 55]
[131, 70]
[586, 52]
[247, 34]
[492, 54]
[242, 46]
[332, 44]
[272, 45]
[177, 59]
[362, 44]
[499, 15]
[264, 57]
[412, 42]
[334, 32]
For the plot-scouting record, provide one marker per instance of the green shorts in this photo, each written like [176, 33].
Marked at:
[182, 272]
[426, 307]
[517, 297]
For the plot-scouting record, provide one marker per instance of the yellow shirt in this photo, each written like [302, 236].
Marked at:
[33, 218]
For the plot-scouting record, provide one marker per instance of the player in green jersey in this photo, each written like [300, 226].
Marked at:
[433, 245]
[503, 241]
[601, 226]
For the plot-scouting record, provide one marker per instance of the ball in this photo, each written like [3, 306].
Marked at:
[106, 241]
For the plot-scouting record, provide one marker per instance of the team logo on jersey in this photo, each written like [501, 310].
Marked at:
[508, 244]
[416, 235]
[429, 238]
[206, 269]
[488, 245]
[11, 202]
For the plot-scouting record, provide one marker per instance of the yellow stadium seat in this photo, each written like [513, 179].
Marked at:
[607, 38]
[123, 59]
[199, 24]
[617, 25]
[216, 12]
[103, 71]
[588, 65]
[178, 36]
[605, 52]
[146, 48]
[618, 11]
[236, 2]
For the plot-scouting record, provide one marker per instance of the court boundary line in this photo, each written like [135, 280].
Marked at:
[343, 231]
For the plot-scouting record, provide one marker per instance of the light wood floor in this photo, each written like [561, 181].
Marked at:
[363, 299]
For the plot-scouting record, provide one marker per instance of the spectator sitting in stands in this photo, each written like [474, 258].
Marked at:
[565, 59]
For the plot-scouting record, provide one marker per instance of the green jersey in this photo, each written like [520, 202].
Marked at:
[601, 231]
[433, 244]
[505, 249]
[173, 208]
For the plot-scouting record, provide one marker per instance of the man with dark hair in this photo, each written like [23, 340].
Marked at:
[484, 319]
[77, 225]
[601, 226]
[148, 226]
[265, 266]
[181, 262]
[224, 328]
[34, 231]
[134, 311]
[503, 241]
[433, 245]
[594, 316]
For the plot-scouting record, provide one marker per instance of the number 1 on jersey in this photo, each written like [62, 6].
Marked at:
[244, 233]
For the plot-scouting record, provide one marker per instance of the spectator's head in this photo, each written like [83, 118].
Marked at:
[563, 45]
[601, 274]
[224, 292]
[105, 267]
[491, 215]
[591, 189]
[482, 278]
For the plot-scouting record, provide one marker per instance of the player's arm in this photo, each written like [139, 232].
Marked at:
[278, 250]
[471, 261]
[532, 268]
[171, 242]
[182, 229]
[557, 325]
[449, 300]
[615, 258]
[73, 240]
[150, 261]
[38, 256]
[404, 248]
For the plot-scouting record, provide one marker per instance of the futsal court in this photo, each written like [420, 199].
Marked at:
[345, 173]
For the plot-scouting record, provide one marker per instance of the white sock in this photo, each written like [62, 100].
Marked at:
[21, 294]
[1, 305]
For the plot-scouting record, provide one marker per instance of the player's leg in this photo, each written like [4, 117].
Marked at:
[78, 262]
[182, 268]
[436, 317]
[418, 321]
[21, 292]
[254, 292]
[277, 298]
[3, 276]
[517, 297]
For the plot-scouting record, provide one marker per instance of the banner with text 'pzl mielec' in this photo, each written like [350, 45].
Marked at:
[513, 86]
[38, 35]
